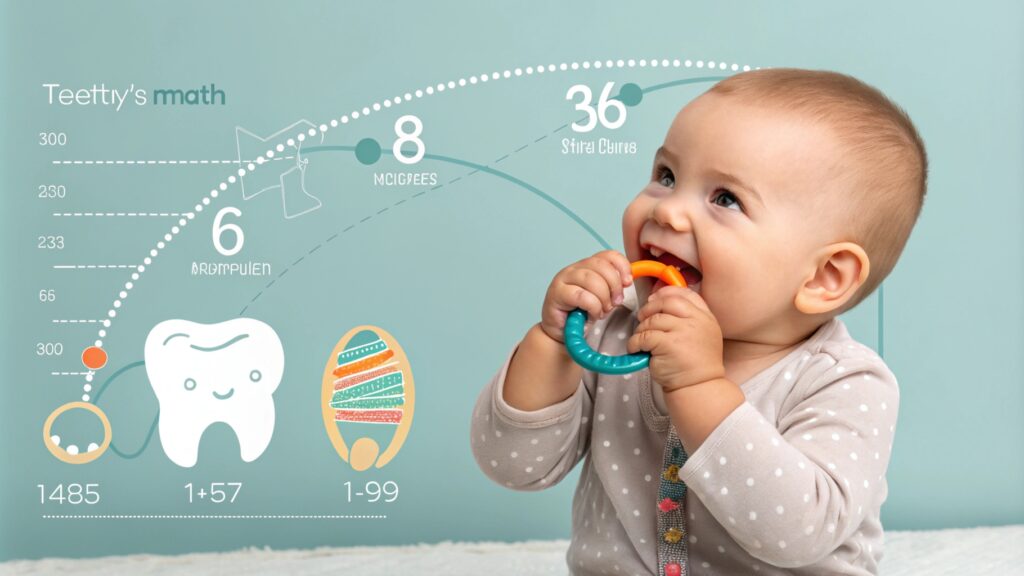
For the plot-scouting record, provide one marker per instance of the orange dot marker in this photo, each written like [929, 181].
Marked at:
[94, 357]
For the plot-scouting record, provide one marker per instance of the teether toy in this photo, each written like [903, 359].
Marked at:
[585, 356]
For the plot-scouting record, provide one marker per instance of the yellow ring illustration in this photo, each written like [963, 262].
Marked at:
[84, 457]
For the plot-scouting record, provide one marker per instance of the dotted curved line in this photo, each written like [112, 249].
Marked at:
[452, 181]
[398, 203]
[366, 111]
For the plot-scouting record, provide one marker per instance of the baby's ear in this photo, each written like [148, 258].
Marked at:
[840, 269]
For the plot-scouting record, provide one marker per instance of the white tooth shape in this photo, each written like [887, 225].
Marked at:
[206, 373]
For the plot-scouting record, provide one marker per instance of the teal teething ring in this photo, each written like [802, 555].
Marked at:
[594, 361]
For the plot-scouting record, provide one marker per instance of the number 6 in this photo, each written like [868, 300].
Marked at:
[219, 230]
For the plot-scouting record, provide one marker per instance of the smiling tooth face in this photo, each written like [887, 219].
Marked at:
[206, 373]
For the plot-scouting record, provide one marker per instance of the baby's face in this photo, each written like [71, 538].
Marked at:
[732, 194]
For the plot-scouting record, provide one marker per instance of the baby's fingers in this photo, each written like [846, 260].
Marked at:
[611, 276]
[661, 322]
[579, 297]
[658, 303]
[646, 341]
[621, 264]
[594, 282]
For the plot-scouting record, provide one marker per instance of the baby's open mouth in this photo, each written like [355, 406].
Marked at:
[692, 275]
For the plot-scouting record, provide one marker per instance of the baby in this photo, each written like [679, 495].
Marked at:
[757, 441]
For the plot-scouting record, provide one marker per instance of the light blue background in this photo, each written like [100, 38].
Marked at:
[953, 314]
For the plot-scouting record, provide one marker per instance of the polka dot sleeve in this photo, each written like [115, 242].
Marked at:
[791, 493]
[532, 450]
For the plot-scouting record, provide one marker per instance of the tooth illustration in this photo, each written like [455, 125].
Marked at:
[206, 373]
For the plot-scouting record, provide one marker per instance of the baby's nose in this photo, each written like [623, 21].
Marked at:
[672, 212]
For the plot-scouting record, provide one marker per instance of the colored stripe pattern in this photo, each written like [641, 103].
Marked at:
[368, 388]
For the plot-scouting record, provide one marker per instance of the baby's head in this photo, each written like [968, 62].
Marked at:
[792, 192]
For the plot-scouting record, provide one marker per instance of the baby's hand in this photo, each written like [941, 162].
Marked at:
[594, 284]
[684, 338]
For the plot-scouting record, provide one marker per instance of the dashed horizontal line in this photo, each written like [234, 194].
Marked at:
[68, 373]
[91, 266]
[74, 321]
[150, 162]
[170, 214]
[211, 516]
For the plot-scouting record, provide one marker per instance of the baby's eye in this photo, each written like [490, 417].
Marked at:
[726, 194]
[665, 177]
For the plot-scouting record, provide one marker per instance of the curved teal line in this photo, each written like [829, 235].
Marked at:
[682, 82]
[503, 175]
[508, 177]
[222, 346]
[152, 427]
[96, 397]
[648, 90]
[145, 443]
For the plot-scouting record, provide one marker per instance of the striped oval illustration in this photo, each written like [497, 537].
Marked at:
[367, 388]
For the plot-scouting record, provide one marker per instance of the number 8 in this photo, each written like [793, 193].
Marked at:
[409, 137]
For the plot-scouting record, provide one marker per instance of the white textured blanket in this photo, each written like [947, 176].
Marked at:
[962, 552]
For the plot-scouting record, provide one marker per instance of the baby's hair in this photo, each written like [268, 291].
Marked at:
[885, 165]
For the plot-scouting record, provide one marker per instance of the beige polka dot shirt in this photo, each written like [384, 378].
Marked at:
[791, 482]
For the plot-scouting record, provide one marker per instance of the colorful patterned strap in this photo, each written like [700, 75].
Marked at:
[672, 535]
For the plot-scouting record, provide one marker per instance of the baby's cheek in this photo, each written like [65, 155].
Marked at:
[632, 222]
[744, 297]
[632, 250]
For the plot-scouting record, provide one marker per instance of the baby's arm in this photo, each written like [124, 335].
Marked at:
[534, 442]
[542, 372]
[790, 496]
[540, 358]
[531, 423]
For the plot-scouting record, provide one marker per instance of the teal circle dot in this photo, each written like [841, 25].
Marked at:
[631, 94]
[368, 151]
